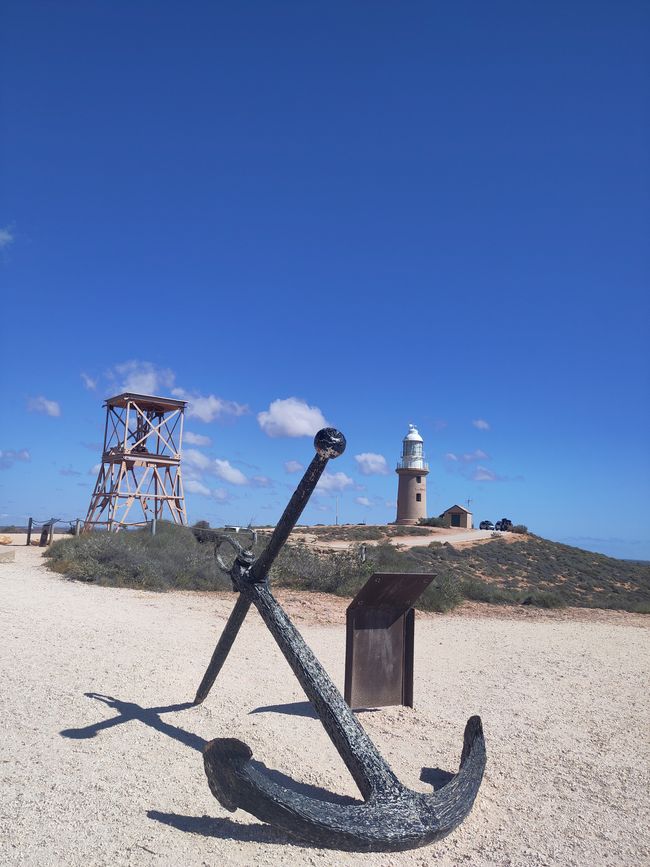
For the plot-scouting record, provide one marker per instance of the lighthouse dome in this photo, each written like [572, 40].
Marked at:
[413, 435]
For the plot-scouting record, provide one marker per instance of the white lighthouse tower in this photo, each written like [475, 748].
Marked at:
[412, 470]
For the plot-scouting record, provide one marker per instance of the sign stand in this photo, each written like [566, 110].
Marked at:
[380, 632]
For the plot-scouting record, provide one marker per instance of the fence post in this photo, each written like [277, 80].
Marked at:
[77, 527]
[153, 526]
[29, 531]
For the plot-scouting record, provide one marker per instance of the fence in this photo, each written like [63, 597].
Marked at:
[75, 528]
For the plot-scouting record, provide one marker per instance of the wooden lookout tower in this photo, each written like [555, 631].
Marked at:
[140, 474]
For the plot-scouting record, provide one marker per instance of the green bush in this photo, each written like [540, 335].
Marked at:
[519, 528]
[443, 594]
[432, 522]
[532, 569]
[339, 572]
[544, 599]
[201, 534]
[171, 559]
[483, 591]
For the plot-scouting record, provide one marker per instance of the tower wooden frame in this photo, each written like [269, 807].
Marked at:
[140, 475]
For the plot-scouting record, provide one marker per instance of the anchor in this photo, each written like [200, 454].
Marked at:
[392, 817]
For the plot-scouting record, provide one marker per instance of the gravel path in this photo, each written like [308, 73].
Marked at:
[101, 761]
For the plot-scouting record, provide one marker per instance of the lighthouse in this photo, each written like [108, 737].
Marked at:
[412, 470]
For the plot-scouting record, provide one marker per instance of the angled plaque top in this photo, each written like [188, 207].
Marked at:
[396, 590]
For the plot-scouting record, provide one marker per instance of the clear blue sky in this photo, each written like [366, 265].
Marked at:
[392, 212]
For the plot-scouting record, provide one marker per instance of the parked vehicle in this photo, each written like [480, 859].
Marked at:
[503, 524]
[486, 525]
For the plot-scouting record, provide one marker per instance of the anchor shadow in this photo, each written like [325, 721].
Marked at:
[294, 708]
[225, 829]
[302, 708]
[436, 777]
[128, 711]
[207, 826]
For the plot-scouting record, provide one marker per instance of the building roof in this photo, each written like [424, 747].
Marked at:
[413, 435]
[461, 508]
[145, 401]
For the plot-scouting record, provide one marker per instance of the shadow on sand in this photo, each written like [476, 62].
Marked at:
[150, 716]
[128, 711]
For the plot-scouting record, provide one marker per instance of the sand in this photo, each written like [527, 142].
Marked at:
[101, 761]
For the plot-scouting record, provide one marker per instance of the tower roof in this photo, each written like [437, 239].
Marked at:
[413, 435]
[145, 401]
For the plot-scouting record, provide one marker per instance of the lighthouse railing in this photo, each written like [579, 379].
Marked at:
[413, 463]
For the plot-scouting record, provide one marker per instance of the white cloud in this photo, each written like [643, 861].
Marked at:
[220, 494]
[194, 439]
[482, 474]
[9, 457]
[477, 455]
[6, 237]
[291, 417]
[196, 459]
[371, 464]
[69, 471]
[261, 481]
[450, 456]
[41, 404]
[293, 466]
[334, 483]
[94, 470]
[390, 504]
[363, 501]
[209, 407]
[196, 487]
[89, 382]
[481, 424]
[141, 377]
[224, 470]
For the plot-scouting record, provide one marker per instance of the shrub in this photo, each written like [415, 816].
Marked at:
[483, 591]
[432, 522]
[544, 599]
[200, 534]
[339, 572]
[171, 558]
[442, 594]
[519, 528]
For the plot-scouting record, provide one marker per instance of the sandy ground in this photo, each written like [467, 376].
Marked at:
[456, 537]
[101, 761]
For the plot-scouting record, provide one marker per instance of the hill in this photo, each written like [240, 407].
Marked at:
[509, 569]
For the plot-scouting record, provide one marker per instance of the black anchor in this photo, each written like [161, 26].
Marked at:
[392, 817]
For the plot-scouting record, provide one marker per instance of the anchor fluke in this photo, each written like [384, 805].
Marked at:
[386, 822]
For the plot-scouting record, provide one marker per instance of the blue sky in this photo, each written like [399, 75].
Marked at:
[388, 212]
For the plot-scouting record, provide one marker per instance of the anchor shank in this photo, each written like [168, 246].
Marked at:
[368, 768]
[222, 649]
[260, 569]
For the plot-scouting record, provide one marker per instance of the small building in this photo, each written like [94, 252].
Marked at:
[457, 516]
